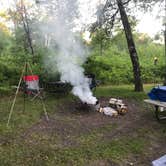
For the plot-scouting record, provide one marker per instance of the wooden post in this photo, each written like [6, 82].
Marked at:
[14, 101]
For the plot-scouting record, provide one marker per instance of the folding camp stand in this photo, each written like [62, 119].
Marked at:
[37, 94]
[32, 86]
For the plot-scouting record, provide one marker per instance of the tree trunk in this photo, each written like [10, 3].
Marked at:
[131, 47]
[165, 53]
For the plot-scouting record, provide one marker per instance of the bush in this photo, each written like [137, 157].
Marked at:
[9, 74]
[115, 65]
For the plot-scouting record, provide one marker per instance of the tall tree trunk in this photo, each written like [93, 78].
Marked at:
[165, 51]
[131, 47]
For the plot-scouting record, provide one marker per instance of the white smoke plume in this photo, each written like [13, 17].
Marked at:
[71, 55]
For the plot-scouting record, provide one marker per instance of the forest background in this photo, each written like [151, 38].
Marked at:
[108, 55]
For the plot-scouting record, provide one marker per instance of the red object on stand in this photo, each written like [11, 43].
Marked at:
[32, 83]
[31, 78]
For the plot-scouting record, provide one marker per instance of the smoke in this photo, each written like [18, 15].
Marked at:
[70, 54]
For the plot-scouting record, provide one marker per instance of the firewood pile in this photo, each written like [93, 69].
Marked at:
[115, 107]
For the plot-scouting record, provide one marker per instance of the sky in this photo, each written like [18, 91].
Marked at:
[147, 24]
[150, 22]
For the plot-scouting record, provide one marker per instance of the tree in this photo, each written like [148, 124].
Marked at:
[19, 16]
[111, 13]
[131, 47]
[106, 18]
[100, 39]
[165, 42]
[23, 13]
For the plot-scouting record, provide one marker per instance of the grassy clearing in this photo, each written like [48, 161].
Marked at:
[123, 91]
[48, 154]
[95, 135]
[26, 112]
[46, 150]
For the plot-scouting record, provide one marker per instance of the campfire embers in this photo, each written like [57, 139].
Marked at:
[114, 108]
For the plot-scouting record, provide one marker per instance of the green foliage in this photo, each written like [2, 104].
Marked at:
[114, 66]
[9, 72]
[14, 52]
[98, 36]
[4, 42]
[100, 40]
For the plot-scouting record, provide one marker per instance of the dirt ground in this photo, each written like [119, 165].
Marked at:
[73, 118]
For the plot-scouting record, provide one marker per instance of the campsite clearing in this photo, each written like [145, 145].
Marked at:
[76, 135]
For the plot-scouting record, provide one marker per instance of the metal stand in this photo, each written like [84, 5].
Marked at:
[24, 71]
[158, 114]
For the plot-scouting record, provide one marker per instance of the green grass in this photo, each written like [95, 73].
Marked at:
[95, 135]
[5, 90]
[47, 150]
[48, 154]
[122, 91]
[28, 113]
